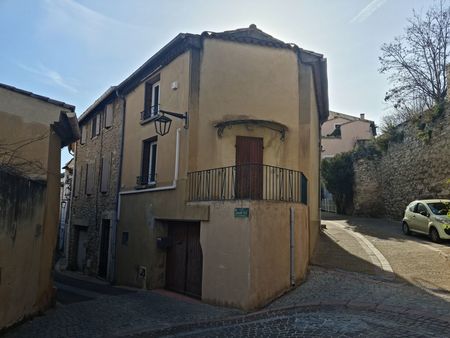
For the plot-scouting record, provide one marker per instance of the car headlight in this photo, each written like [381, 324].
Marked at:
[444, 220]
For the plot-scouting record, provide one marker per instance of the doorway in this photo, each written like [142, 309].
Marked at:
[249, 167]
[104, 249]
[184, 263]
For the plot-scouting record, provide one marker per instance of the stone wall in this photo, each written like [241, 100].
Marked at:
[89, 211]
[417, 167]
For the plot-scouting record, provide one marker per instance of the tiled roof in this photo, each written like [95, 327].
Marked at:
[39, 97]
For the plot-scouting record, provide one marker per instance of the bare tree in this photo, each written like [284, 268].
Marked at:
[12, 160]
[416, 62]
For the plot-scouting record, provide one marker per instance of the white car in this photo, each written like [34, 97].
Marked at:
[429, 217]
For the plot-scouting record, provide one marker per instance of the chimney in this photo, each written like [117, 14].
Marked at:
[362, 116]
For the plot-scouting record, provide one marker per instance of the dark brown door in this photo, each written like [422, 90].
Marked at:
[184, 262]
[249, 169]
[104, 249]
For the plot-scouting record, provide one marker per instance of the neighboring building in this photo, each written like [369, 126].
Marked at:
[341, 132]
[33, 129]
[65, 200]
[94, 204]
[225, 206]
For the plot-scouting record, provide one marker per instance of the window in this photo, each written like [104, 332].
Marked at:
[304, 189]
[148, 172]
[106, 170]
[95, 126]
[108, 120]
[90, 174]
[152, 99]
[83, 135]
[78, 180]
[421, 209]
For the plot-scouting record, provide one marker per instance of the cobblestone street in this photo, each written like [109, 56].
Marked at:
[364, 283]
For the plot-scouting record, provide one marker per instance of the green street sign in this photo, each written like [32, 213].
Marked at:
[241, 212]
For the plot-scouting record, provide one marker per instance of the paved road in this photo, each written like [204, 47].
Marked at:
[367, 280]
[414, 259]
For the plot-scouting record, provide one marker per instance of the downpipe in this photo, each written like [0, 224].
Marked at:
[292, 245]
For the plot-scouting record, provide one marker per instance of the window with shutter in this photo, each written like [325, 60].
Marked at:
[148, 166]
[94, 127]
[106, 170]
[83, 134]
[109, 116]
[78, 180]
[98, 124]
[90, 172]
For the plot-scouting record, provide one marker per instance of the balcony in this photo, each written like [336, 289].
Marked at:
[248, 182]
[149, 113]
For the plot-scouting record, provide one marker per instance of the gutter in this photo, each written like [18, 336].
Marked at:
[167, 187]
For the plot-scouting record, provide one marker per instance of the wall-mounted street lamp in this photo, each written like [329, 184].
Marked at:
[162, 122]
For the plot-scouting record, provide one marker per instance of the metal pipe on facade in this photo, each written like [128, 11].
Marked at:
[292, 245]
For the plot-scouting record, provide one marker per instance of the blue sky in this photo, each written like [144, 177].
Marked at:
[73, 50]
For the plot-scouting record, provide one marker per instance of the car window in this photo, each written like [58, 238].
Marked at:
[421, 208]
[412, 207]
[439, 208]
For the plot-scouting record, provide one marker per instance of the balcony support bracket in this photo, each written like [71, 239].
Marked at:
[278, 127]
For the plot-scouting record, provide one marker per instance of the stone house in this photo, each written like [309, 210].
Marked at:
[96, 185]
[219, 173]
[341, 132]
[33, 129]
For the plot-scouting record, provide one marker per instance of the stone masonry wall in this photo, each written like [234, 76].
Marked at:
[88, 211]
[367, 192]
[415, 168]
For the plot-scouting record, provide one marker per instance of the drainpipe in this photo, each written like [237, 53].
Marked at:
[292, 246]
[119, 182]
[167, 187]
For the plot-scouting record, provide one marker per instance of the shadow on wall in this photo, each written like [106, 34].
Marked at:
[22, 208]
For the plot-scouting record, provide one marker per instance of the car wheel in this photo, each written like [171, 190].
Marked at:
[434, 235]
[405, 228]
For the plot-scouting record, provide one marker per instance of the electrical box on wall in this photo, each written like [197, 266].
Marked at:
[174, 85]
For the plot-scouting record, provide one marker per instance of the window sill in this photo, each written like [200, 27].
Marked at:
[145, 186]
[148, 120]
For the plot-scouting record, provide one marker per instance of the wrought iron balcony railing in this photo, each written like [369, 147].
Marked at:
[248, 181]
[149, 112]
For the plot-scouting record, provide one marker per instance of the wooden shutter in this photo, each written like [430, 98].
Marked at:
[90, 175]
[145, 161]
[83, 134]
[109, 116]
[97, 125]
[78, 180]
[106, 170]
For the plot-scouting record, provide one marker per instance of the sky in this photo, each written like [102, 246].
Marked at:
[73, 50]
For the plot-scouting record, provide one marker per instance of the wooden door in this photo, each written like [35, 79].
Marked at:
[184, 263]
[249, 169]
[194, 265]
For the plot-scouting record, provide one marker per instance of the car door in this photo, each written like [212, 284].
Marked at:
[421, 219]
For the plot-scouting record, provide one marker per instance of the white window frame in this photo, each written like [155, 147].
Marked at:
[155, 108]
[150, 160]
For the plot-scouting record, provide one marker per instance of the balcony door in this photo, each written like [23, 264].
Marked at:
[249, 167]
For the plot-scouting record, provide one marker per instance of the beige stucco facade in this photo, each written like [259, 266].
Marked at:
[31, 130]
[246, 261]
[352, 129]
